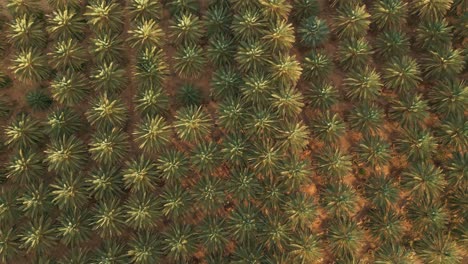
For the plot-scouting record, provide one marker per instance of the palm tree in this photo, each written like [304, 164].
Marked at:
[279, 35]
[107, 46]
[402, 74]
[434, 34]
[30, 65]
[110, 251]
[20, 7]
[66, 154]
[38, 100]
[151, 102]
[107, 110]
[8, 245]
[23, 132]
[193, 124]
[73, 228]
[141, 211]
[317, 65]
[389, 14]
[68, 192]
[205, 157]
[109, 77]
[109, 146]
[275, 233]
[322, 95]
[213, 234]
[449, 97]
[244, 223]
[209, 191]
[140, 175]
[424, 180]
[453, 133]
[108, 218]
[146, 33]
[439, 248]
[143, 248]
[8, 207]
[62, 4]
[68, 54]
[428, 216]
[328, 127]
[38, 236]
[294, 136]
[63, 122]
[26, 31]
[172, 165]
[265, 157]
[153, 134]
[186, 28]
[104, 15]
[179, 242]
[417, 144]
[343, 3]
[176, 201]
[382, 191]
[373, 151]
[182, 6]
[432, 9]
[295, 172]
[300, 209]
[354, 53]
[243, 185]
[443, 64]
[313, 32]
[234, 149]
[69, 88]
[305, 248]
[34, 201]
[391, 43]
[65, 24]
[275, 9]
[257, 88]
[344, 239]
[333, 163]
[249, 23]
[363, 85]
[232, 114]
[410, 110]
[285, 70]
[303, 9]
[272, 194]
[76, 256]
[145, 9]
[151, 68]
[455, 168]
[393, 253]
[339, 199]
[189, 94]
[366, 118]
[351, 21]
[218, 18]
[386, 225]
[251, 55]
[104, 182]
[288, 102]
[25, 167]
[5, 80]
[189, 61]
[221, 50]
[249, 253]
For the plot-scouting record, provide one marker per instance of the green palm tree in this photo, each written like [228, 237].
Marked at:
[410, 110]
[182, 6]
[221, 50]
[68, 192]
[234, 149]
[382, 191]
[391, 43]
[313, 32]
[110, 251]
[294, 136]
[66, 23]
[140, 174]
[30, 65]
[26, 31]
[38, 100]
[63, 122]
[366, 118]
[275, 9]
[295, 172]
[417, 144]
[142, 211]
[288, 102]
[343, 3]
[434, 34]
[333, 162]
[25, 167]
[265, 157]
[189, 61]
[275, 233]
[209, 191]
[179, 242]
[322, 95]
[151, 102]
[9, 211]
[424, 180]
[23, 131]
[402, 74]
[339, 199]
[300, 209]
[107, 110]
[244, 223]
[69, 88]
[305, 248]
[145, 33]
[363, 85]
[218, 18]
[153, 134]
[328, 127]
[108, 218]
[34, 201]
[145, 9]
[393, 253]
[428, 216]
[189, 94]
[20, 7]
[439, 248]
[432, 9]
[104, 183]
[303, 9]
[453, 133]
[285, 70]
[443, 63]
[66, 154]
[76, 256]
[192, 124]
[389, 14]
[205, 157]
[257, 88]
[232, 114]
[8, 245]
[187, 28]
[455, 168]
[176, 202]
[386, 225]
[373, 151]
[279, 35]
[68, 54]
[248, 253]
[172, 165]
[243, 184]
[62, 4]
[151, 68]
[109, 146]
[344, 239]
[104, 15]
[73, 228]
[109, 77]
[351, 21]
[317, 65]
[107, 46]
[354, 53]
[38, 236]
[252, 55]
[249, 23]
[143, 248]
[449, 97]
[5, 80]
[213, 234]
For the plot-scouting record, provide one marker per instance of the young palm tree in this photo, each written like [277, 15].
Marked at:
[69, 88]
[328, 127]
[294, 136]
[151, 102]
[38, 100]
[249, 253]
[109, 146]
[439, 248]
[74, 227]
[243, 184]
[66, 154]
[257, 88]
[179, 243]
[410, 110]
[9, 211]
[192, 124]
[213, 234]
[68, 54]
[431, 9]
[34, 201]
[38, 236]
[5, 80]
[344, 239]
[275, 9]
[107, 46]
[248, 24]
[187, 28]
[391, 43]
[272, 194]
[251, 55]
[363, 85]
[76, 256]
[417, 144]
[151, 68]
[389, 14]
[23, 132]
[300, 209]
[189, 61]
[109, 77]
[333, 163]
[153, 134]
[107, 111]
[176, 202]
[351, 21]
[65, 24]
[434, 34]
[221, 50]
[285, 70]
[30, 65]
[27, 31]
[141, 211]
[275, 233]
[108, 218]
[68, 192]
[382, 191]
[104, 15]
[209, 191]
[424, 180]
[313, 32]
[402, 74]
[305, 248]
[443, 64]
[288, 102]
[110, 251]
[244, 223]
[428, 216]
[279, 35]
[453, 133]
[449, 97]
[182, 6]
[366, 118]
[146, 33]
[295, 172]
[140, 175]
[455, 168]
[303, 9]
[189, 94]
[393, 253]
[386, 225]
[8, 245]
[265, 157]
[143, 248]
[104, 183]
[20, 7]
[354, 53]
[339, 199]
[145, 9]
[232, 113]
[373, 151]
[205, 157]
[317, 65]
[322, 95]
[172, 165]
[62, 4]
[25, 167]
[218, 18]
[63, 122]
[234, 149]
